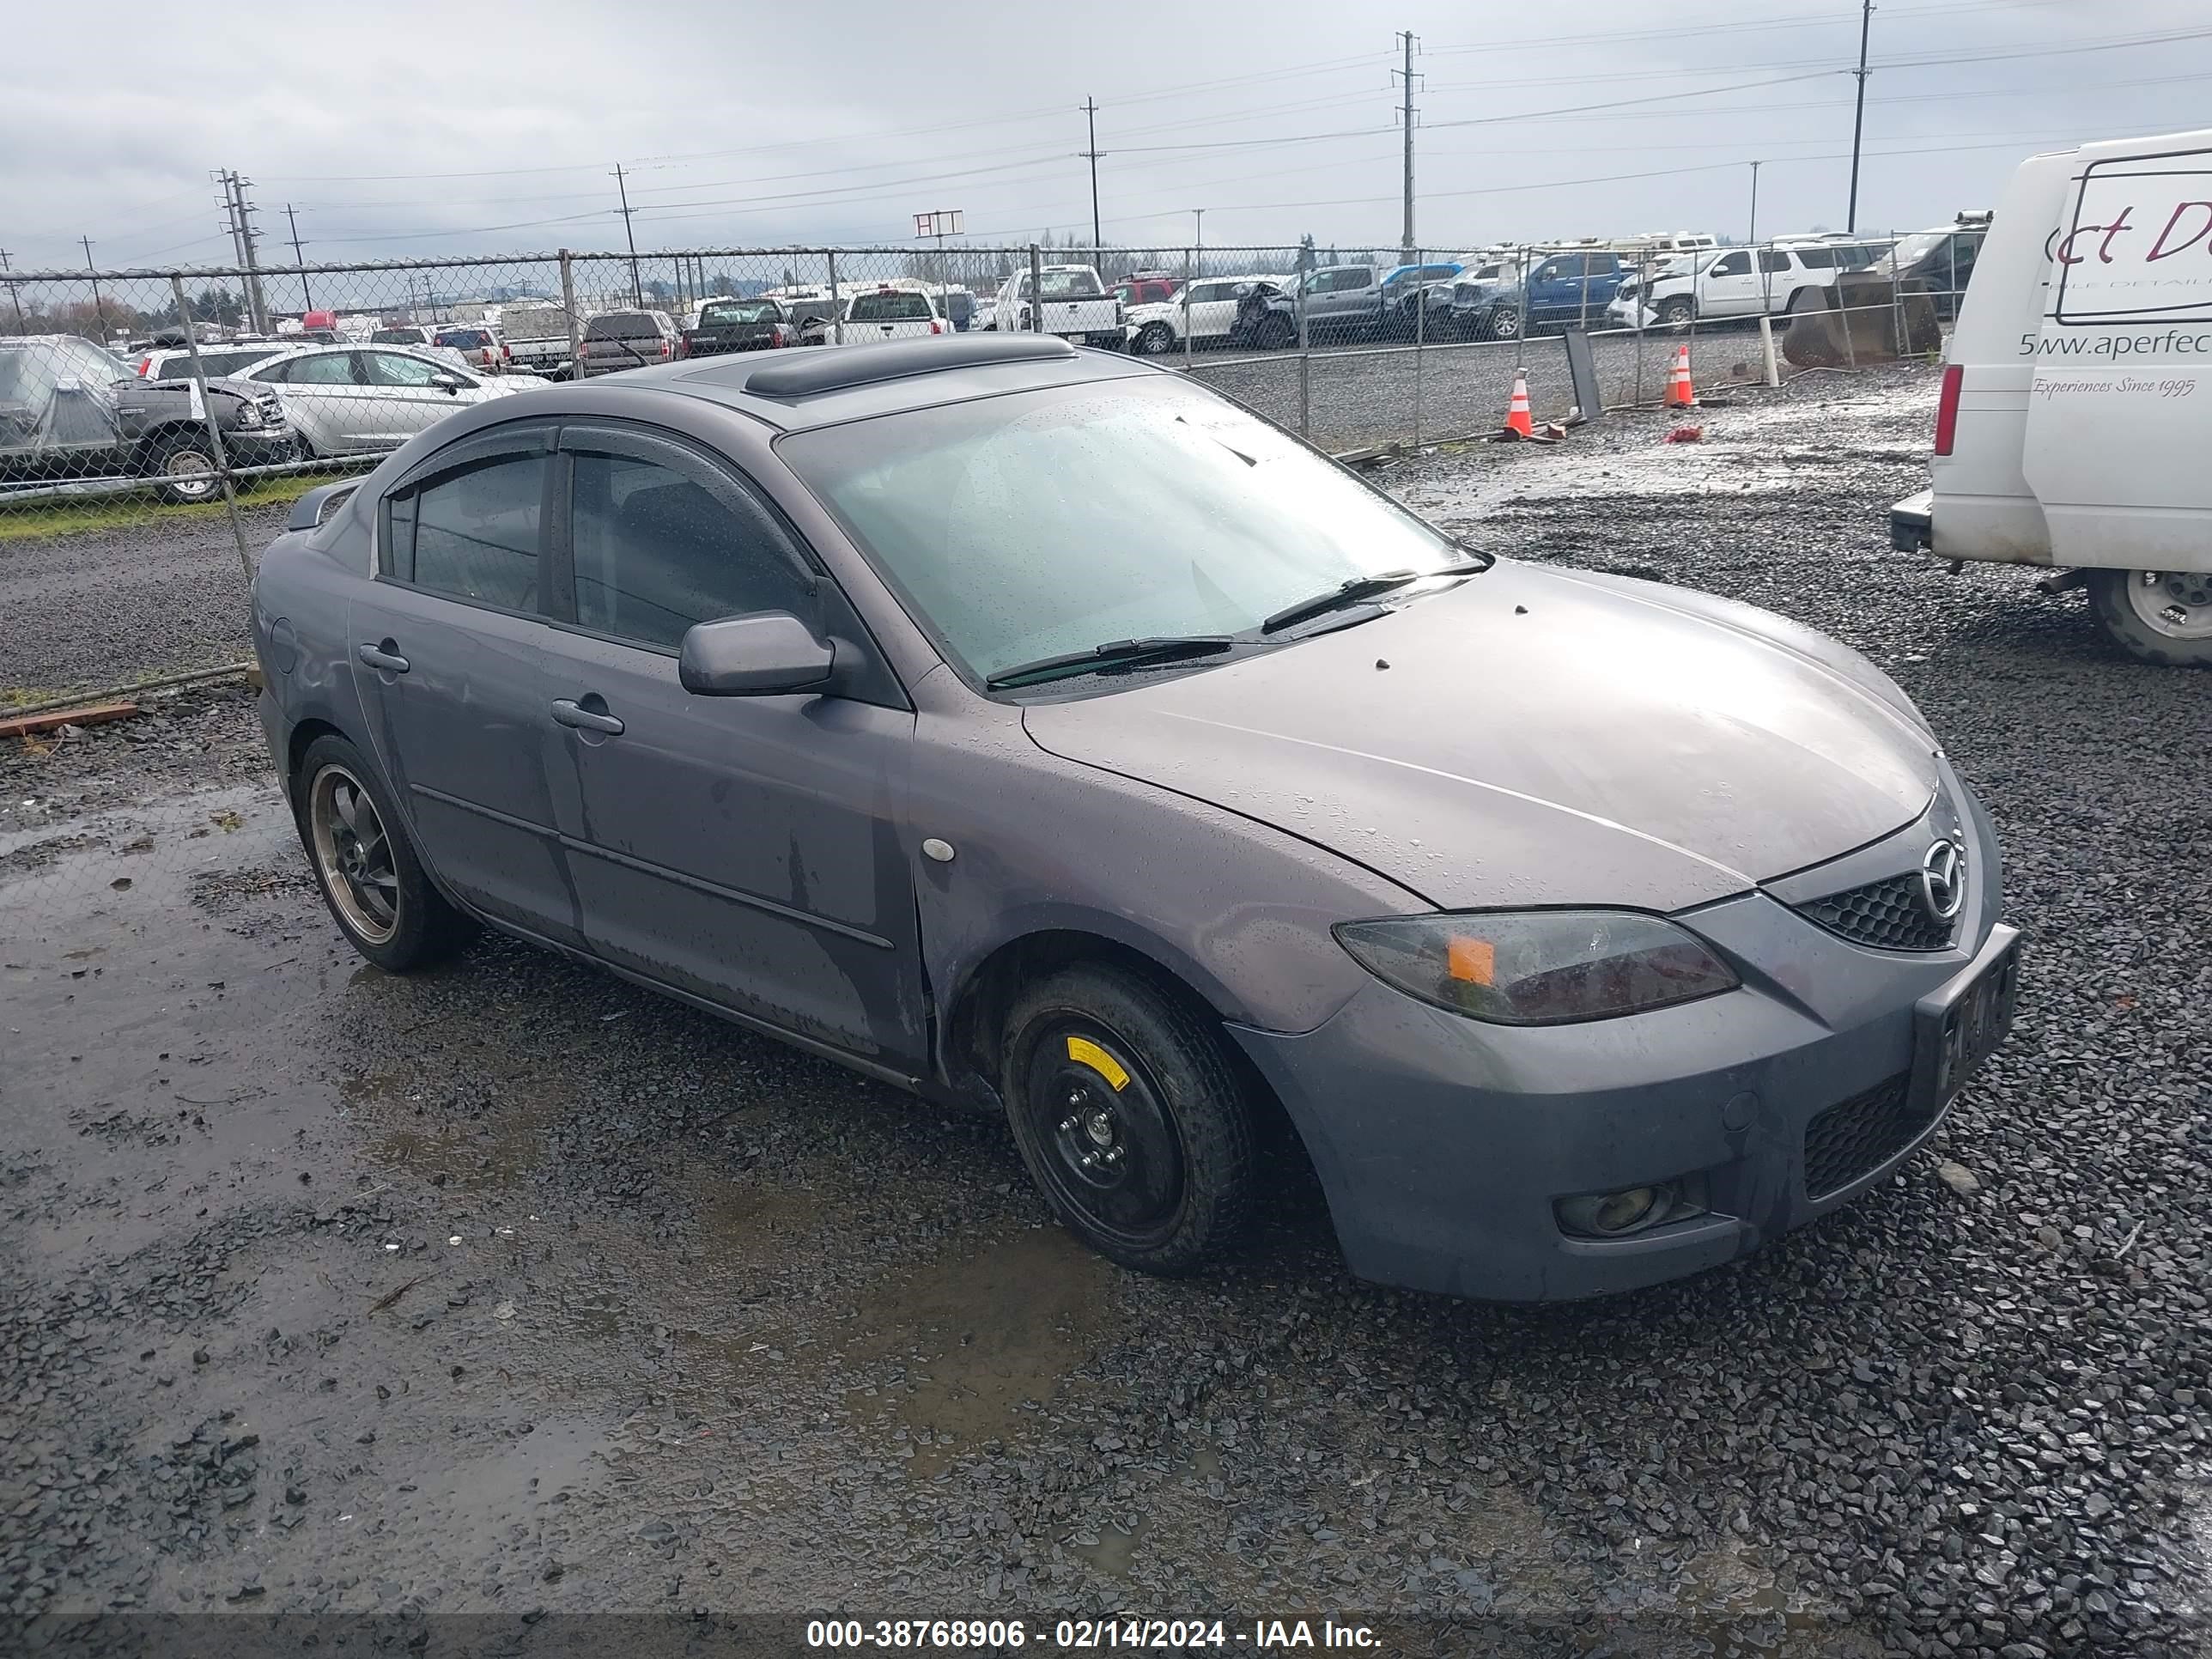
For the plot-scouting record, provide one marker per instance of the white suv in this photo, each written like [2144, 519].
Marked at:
[1740, 282]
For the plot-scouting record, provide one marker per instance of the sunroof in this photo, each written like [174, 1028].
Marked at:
[805, 371]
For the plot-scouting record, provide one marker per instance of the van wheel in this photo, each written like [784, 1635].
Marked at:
[2163, 616]
[1130, 1118]
[1677, 313]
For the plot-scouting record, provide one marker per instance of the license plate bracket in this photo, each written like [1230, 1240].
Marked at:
[1959, 1027]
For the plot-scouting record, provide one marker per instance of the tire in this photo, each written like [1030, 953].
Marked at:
[2156, 617]
[184, 464]
[370, 877]
[1274, 333]
[1169, 1188]
[1153, 340]
[1503, 323]
[1679, 312]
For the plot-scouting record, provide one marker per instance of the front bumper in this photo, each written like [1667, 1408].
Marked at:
[1912, 523]
[1445, 1145]
[263, 447]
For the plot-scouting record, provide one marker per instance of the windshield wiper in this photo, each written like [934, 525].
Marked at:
[1115, 653]
[1357, 590]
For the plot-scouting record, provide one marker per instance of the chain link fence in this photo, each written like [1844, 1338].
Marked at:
[156, 426]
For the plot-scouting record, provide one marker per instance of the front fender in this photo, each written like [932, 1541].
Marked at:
[1237, 910]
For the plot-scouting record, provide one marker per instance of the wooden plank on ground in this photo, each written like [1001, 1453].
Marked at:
[98, 714]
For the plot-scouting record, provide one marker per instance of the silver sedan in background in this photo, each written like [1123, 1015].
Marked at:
[345, 400]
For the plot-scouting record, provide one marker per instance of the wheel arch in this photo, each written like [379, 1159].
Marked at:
[975, 1014]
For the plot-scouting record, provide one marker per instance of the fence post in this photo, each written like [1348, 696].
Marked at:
[1187, 330]
[568, 309]
[1420, 337]
[1766, 351]
[1036, 289]
[1305, 356]
[836, 301]
[214, 427]
[1647, 272]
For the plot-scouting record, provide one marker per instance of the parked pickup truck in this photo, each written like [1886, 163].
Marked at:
[537, 338]
[1077, 306]
[727, 325]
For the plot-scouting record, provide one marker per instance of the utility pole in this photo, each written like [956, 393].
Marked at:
[1091, 115]
[299, 259]
[21, 326]
[239, 212]
[1752, 236]
[636, 289]
[99, 307]
[1858, 115]
[1405, 117]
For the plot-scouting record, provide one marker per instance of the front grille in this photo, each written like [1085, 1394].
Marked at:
[1889, 914]
[1857, 1136]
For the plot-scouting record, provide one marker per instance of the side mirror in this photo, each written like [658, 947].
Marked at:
[451, 384]
[764, 654]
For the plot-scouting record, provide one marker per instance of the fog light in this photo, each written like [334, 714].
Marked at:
[1614, 1215]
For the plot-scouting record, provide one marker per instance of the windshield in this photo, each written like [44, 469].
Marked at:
[727, 311]
[1018, 527]
[1910, 250]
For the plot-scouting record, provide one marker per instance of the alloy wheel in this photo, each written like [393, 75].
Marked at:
[353, 855]
[189, 474]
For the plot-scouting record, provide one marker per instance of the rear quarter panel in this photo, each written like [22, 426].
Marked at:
[1984, 508]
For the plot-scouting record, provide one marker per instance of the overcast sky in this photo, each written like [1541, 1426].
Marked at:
[464, 128]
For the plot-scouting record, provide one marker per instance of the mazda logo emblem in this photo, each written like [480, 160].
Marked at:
[1943, 880]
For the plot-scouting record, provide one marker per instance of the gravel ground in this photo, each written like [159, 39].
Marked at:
[511, 1290]
[101, 607]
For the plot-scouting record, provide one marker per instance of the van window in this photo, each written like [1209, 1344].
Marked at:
[1737, 264]
[1816, 259]
[1773, 262]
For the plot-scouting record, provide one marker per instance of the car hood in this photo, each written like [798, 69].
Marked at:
[1152, 310]
[1537, 737]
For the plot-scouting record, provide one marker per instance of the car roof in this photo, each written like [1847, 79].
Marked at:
[796, 392]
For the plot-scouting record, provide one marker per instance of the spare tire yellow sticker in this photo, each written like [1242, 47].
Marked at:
[1083, 1052]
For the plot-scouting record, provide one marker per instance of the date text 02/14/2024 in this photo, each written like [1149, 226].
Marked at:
[1169, 1634]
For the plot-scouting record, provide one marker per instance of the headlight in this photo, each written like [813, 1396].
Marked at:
[248, 416]
[1538, 967]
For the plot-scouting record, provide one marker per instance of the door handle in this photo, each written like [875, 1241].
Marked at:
[382, 656]
[569, 711]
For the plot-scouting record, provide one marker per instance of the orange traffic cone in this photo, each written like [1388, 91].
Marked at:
[1517, 418]
[1680, 394]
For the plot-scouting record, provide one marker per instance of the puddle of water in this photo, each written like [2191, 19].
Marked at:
[502, 1488]
[968, 1339]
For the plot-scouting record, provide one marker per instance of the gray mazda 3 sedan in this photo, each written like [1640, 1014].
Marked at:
[1041, 732]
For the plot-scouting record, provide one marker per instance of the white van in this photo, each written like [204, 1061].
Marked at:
[2074, 428]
